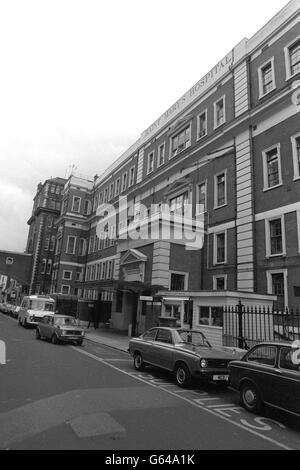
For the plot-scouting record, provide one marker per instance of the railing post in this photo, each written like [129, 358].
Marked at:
[240, 320]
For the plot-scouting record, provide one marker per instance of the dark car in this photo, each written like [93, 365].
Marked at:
[269, 374]
[60, 329]
[187, 353]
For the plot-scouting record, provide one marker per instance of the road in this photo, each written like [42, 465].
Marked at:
[90, 397]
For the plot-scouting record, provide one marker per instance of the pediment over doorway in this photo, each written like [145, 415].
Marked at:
[133, 256]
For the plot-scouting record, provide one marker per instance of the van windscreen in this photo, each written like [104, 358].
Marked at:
[40, 305]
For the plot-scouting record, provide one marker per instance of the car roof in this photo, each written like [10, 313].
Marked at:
[277, 343]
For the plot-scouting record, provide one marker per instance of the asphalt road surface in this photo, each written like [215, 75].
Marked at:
[90, 397]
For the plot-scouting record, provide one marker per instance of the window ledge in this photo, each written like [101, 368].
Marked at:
[219, 125]
[220, 207]
[261, 96]
[202, 137]
[265, 190]
[280, 255]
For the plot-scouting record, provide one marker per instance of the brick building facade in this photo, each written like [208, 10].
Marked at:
[231, 146]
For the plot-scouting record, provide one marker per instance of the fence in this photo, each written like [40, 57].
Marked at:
[245, 326]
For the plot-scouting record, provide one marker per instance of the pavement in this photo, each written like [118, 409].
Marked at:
[107, 336]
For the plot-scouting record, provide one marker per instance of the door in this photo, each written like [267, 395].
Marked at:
[164, 349]
[286, 385]
[261, 365]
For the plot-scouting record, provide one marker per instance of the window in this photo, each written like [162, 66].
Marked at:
[124, 182]
[289, 359]
[150, 335]
[87, 207]
[150, 163]
[266, 78]
[43, 270]
[201, 198]
[161, 154]
[272, 168]
[71, 245]
[220, 283]
[220, 251]
[202, 125]
[219, 112]
[292, 58]
[164, 336]
[296, 155]
[78, 276]
[220, 190]
[52, 243]
[67, 275]
[179, 204]
[275, 237]
[264, 355]
[65, 289]
[76, 204]
[278, 285]
[181, 141]
[111, 191]
[105, 195]
[210, 316]
[82, 247]
[47, 244]
[110, 266]
[117, 187]
[178, 282]
[131, 176]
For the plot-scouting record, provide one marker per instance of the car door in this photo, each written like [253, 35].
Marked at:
[260, 368]
[164, 349]
[286, 384]
[146, 345]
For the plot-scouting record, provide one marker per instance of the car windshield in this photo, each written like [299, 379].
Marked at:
[196, 338]
[65, 321]
[41, 305]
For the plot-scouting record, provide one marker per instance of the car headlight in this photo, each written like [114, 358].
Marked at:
[82, 333]
[203, 363]
[63, 332]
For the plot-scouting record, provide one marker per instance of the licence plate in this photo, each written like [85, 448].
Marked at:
[221, 378]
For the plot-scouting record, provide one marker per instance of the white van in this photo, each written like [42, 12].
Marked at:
[34, 308]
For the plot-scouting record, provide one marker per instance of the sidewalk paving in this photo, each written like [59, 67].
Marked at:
[108, 337]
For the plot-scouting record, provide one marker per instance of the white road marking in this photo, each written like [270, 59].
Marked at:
[191, 402]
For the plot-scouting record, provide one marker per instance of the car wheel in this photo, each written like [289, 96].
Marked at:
[138, 362]
[182, 375]
[54, 339]
[38, 334]
[79, 343]
[250, 398]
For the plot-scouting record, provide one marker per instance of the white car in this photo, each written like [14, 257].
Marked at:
[34, 308]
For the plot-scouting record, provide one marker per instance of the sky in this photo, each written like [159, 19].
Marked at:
[80, 81]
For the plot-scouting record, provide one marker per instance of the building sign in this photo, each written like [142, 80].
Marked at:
[146, 299]
[195, 92]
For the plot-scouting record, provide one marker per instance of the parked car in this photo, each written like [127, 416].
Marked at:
[4, 308]
[269, 374]
[34, 308]
[15, 311]
[187, 353]
[60, 329]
